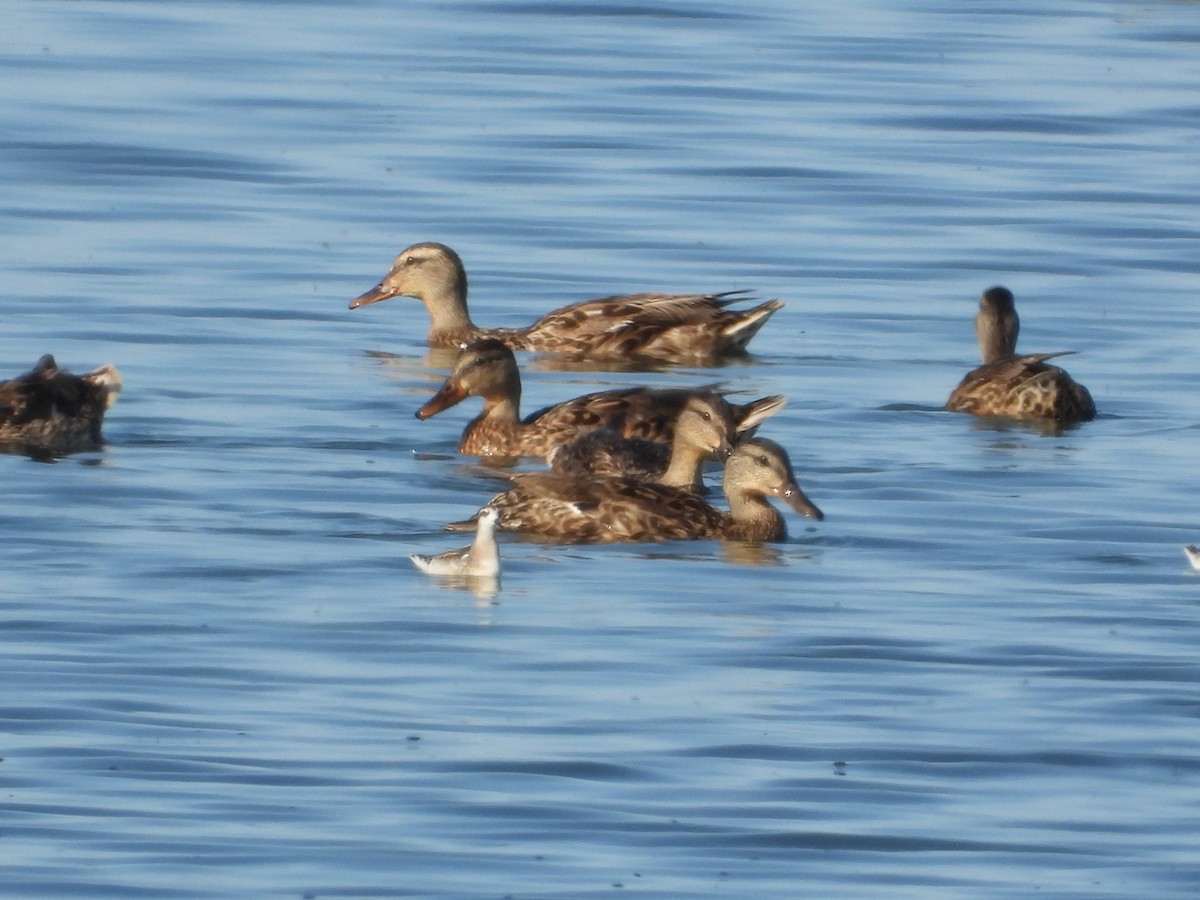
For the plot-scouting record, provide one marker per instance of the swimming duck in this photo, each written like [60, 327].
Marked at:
[1016, 387]
[50, 410]
[608, 510]
[705, 427]
[1193, 554]
[489, 370]
[674, 327]
[481, 559]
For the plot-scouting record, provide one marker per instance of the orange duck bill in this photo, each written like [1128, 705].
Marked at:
[449, 394]
[795, 498]
[374, 295]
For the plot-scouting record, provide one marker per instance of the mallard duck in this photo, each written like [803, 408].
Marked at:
[674, 327]
[1016, 387]
[481, 559]
[488, 369]
[705, 428]
[1193, 555]
[608, 510]
[52, 411]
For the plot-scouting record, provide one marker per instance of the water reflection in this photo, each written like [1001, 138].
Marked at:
[435, 360]
[1042, 427]
[484, 587]
[35, 453]
[746, 553]
[742, 553]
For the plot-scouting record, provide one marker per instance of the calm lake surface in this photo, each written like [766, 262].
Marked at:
[978, 677]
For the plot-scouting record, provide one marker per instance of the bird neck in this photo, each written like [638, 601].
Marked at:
[447, 307]
[685, 467]
[502, 407]
[752, 518]
[997, 333]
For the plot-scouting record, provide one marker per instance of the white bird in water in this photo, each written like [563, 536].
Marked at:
[1193, 554]
[480, 560]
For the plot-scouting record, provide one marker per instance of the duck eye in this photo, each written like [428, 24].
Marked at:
[706, 416]
[761, 460]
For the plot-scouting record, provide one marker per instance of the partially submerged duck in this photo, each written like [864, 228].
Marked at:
[1012, 386]
[608, 510]
[673, 327]
[1192, 552]
[487, 369]
[481, 559]
[704, 429]
[50, 410]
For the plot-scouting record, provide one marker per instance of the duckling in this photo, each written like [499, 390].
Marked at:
[49, 410]
[607, 510]
[670, 327]
[481, 559]
[1016, 387]
[489, 370]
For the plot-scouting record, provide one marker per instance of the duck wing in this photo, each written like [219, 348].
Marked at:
[601, 510]
[1023, 387]
[652, 325]
[605, 453]
[639, 412]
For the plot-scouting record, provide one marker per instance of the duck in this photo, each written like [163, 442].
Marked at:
[480, 559]
[488, 369]
[49, 410]
[1012, 386]
[611, 510]
[651, 326]
[705, 428]
[1192, 552]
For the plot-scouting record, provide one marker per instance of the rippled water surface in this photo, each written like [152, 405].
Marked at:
[978, 677]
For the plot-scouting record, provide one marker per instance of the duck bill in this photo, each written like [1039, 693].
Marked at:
[723, 452]
[794, 497]
[374, 295]
[450, 394]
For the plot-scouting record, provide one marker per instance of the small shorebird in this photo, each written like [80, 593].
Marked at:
[479, 560]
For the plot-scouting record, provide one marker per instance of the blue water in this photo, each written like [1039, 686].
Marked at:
[976, 678]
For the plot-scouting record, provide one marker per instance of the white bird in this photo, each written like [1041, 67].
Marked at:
[480, 560]
[1193, 554]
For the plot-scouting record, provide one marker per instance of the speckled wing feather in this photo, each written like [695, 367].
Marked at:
[1023, 387]
[645, 413]
[632, 441]
[640, 413]
[49, 407]
[604, 453]
[602, 510]
[42, 392]
[663, 326]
